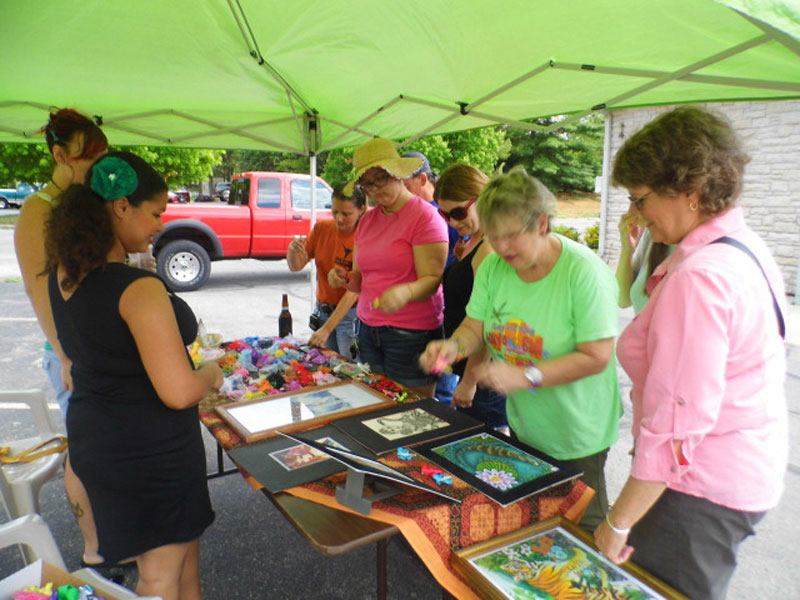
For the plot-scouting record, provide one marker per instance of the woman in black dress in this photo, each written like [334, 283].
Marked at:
[455, 193]
[133, 426]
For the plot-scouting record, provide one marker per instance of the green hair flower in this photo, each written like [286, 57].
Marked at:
[113, 178]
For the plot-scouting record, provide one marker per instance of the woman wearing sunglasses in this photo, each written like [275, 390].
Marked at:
[545, 307]
[456, 193]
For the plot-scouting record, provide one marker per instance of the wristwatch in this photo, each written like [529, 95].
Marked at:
[534, 376]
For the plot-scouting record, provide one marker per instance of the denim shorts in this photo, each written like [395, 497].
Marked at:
[52, 366]
[395, 352]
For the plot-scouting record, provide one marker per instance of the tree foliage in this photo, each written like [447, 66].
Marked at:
[565, 159]
[481, 148]
[29, 163]
[32, 163]
[180, 166]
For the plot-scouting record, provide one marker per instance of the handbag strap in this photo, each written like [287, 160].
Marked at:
[737, 244]
[33, 453]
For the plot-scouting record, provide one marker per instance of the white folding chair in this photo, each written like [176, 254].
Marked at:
[20, 482]
[32, 532]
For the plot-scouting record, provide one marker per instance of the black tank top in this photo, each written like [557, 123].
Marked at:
[458, 280]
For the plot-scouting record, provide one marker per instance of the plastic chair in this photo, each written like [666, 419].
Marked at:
[20, 483]
[33, 532]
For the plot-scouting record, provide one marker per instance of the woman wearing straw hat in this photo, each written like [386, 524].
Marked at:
[398, 260]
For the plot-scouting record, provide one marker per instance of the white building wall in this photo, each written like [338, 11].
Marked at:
[771, 196]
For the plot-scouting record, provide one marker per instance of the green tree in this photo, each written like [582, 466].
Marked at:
[29, 163]
[180, 166]
[482, 148]
[565, 159]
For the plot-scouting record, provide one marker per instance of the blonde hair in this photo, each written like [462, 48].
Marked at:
[515, 194]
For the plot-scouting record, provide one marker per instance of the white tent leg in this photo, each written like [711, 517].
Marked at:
[313, 182]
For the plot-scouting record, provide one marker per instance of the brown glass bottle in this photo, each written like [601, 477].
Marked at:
[285, 318]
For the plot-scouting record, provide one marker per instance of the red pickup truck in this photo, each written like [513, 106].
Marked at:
[262, 215]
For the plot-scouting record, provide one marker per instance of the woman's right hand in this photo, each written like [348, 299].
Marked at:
[337, 277]
[463, 394]
[630, 229]
[438, 355]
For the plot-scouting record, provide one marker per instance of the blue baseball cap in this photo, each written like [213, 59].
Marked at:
[425, 167]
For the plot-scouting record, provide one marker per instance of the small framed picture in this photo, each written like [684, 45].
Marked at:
[504, 469]
[261, 418]
[553, 559]
[384, 430]
[279, 463]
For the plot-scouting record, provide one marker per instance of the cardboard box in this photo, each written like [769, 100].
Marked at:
[39, 574]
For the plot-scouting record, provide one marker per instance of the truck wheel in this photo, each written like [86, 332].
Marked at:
[184, 265]
[4, 203]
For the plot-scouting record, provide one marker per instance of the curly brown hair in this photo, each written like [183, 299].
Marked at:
[688, 149]
[79, 233]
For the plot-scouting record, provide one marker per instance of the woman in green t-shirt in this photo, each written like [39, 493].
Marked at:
[546, 309]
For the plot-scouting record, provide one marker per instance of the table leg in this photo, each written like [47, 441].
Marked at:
[380, 548]
[221, 472]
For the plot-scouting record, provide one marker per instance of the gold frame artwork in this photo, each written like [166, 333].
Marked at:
[489, 579]
[261, 418]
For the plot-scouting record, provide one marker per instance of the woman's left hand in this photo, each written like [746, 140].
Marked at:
[501, 377]
[394, 298]
[612, 544]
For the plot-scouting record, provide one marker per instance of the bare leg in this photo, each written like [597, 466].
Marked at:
[161, 572]
[190, 577]
[426, 391]
[79, 501]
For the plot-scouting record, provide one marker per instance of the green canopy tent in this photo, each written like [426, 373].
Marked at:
[311, 75]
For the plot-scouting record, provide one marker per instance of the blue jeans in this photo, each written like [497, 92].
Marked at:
[342, 338]
[395, 351]
[488, 406]
[52, 366]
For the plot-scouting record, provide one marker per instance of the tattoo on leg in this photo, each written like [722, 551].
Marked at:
[76, 510]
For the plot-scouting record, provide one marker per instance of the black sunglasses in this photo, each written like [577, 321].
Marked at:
[459, 213]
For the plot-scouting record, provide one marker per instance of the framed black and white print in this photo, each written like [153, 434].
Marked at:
[407, 425]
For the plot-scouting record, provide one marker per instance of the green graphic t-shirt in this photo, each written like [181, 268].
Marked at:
[525, 323]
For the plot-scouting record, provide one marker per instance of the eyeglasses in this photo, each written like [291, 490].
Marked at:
[378, 182]
[509, 237]
[639, 202]
[459, 213]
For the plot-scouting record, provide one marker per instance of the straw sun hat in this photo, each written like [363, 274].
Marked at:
[380, 152]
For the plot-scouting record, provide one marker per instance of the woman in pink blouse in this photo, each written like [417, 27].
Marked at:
[707, 362]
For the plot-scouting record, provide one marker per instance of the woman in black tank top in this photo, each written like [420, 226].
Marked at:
[456, 192]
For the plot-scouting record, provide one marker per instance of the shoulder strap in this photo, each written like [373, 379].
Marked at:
[737, 244]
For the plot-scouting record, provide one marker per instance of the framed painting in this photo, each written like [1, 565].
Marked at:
[308, 407]
[553, 559]
[406, 425]
[279, 463]
[506, 470]
[369, 466]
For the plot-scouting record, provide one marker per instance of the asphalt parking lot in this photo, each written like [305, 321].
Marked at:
[251, 552]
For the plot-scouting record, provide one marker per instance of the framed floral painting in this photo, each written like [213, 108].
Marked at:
[553, 559]
[504, 469]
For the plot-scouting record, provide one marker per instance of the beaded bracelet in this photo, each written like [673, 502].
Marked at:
[616, 529]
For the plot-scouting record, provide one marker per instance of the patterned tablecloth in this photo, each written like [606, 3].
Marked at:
[433, 526]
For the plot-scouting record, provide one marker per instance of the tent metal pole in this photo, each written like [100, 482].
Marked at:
[299, 124]
[355, 127]
[709, 79]
[607, 133]
[428, 130]
[511, 84]
[234, 129]
[312, 272]
[776, 34]
[465, 110]
[255, 52]
[347, 127]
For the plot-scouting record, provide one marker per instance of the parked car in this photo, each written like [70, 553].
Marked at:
[179, 196]
[15, 197]
[206, 198]
[263, 213]
[222, 190]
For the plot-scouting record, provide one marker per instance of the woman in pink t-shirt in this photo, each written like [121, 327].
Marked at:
[707, 362]
[398, 260]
